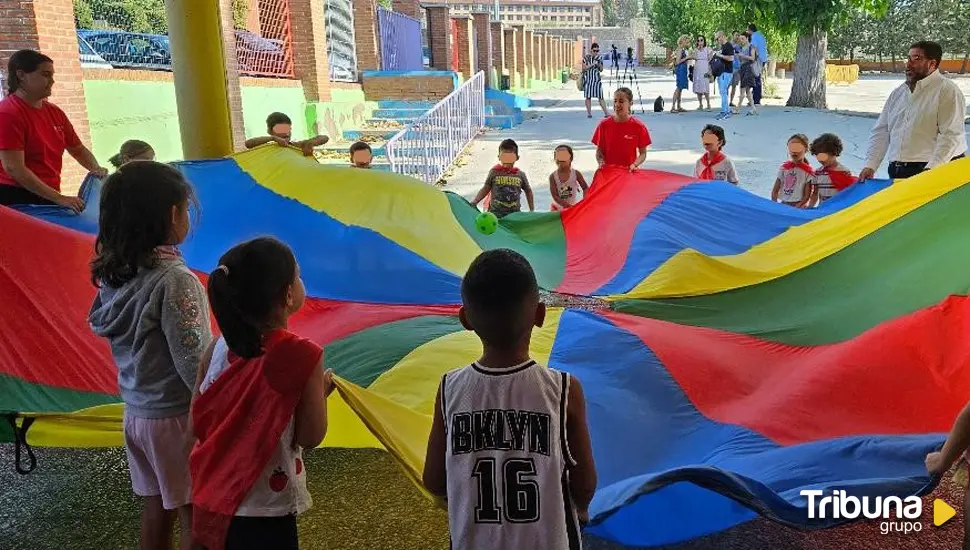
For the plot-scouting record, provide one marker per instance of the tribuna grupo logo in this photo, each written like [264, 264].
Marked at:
[901, 515]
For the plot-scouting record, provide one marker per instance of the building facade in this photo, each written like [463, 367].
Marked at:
[537, 13]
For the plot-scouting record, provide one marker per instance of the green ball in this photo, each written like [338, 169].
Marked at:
[487, 223]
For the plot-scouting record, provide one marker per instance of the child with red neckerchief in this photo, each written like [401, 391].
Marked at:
[796, 179]
[714, 165]
[505, 184]
[833, 176]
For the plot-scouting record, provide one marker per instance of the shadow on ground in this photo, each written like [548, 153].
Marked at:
[81, 500]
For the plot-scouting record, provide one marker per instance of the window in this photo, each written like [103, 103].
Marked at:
[341, 49]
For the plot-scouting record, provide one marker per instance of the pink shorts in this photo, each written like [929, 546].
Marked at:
[158, 457]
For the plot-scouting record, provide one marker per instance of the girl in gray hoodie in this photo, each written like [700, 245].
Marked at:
[153, 311]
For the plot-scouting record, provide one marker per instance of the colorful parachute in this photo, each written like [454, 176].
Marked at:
[741, 351]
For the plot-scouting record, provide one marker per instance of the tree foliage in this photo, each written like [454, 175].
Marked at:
[240, 13]
[146, 16]
[887, 37]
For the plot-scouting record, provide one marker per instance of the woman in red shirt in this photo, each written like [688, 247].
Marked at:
[34, 133]
[621, 140]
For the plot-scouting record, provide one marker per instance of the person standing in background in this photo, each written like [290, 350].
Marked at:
[759, 41]
[592, 80]
[726, 54]
[922, 124]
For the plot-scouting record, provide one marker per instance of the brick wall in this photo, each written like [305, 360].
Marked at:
[411, 87]
[556, 55]
[483, 45]
[411, 8]
[511, 56]
[498, 48]
[466, 47]
[439, 35]
[310, 59]
[45, 25]
[529, 52]
[537, 42]
[365, 35]
[237, 122]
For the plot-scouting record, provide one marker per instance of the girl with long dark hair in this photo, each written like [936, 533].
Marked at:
[261, 399]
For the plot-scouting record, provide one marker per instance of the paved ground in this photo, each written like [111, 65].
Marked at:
[757, 144]
[81, 500]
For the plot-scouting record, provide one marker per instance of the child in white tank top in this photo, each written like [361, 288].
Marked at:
[566, 184]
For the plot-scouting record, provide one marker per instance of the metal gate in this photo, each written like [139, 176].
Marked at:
[400, 37]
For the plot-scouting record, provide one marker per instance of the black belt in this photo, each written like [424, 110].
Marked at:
[911, 164]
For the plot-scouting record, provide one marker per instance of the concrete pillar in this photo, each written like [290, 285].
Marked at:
[311, 61]
[641, 50]
[466, 46]
[483, 45]
[498, 51]
[556, 56]
[540, 55]
[547, 56]
[42, 25]
[439, 36]
[520, 55]
[365, 35]
[529, 40]
[511, 56]
[199, 68]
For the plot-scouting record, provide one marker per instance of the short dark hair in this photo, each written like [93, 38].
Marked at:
[135, 217]
[625, 91]
[752, 27]
[800, 138]
[932, 50]
[568, 150]
[247, 289]
[827, 143]
[594, 45]
[277, 118]
[360, 146]
[508, 146]
[499, 293]
[747, 34]
[24, 60]
[717, 131]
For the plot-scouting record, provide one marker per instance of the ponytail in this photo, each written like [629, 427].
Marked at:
[247, 289]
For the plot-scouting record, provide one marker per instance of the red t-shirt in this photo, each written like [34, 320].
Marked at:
[42, 134]
[620, 141]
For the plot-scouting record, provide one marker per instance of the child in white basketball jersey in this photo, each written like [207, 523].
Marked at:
[509, 448]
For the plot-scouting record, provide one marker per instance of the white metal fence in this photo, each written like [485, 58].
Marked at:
[429, 145]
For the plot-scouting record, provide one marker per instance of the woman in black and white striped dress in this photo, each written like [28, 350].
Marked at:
[592, 83]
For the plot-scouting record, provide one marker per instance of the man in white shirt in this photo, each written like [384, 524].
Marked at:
[922, 123]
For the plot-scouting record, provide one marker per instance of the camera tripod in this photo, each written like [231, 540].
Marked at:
[630, 74]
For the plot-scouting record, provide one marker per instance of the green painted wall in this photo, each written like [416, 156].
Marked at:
[119, 110]
[346, 109]
[259, 102]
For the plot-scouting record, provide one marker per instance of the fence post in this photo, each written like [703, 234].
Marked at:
[483, 44]
[366, 35]
[511, 55]
[498, 52]
[311, 63]
[439, 34]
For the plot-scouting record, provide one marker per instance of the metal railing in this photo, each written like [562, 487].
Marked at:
[429, 145]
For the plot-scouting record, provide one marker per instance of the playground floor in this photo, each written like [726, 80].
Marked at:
[81, 500]
[757, 144]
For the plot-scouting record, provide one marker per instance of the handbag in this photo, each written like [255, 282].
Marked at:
[581, 81]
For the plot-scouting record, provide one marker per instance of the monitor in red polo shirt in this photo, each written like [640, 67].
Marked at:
[42, 134]
[621, 141]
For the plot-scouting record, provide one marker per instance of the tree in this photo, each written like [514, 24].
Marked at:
[240, 13]
[83, 16]
[812, 20]
[609, 13]
[669, 19]
[627, 10]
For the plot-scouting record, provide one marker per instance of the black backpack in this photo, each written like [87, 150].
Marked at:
[717, 67]
[658, 104]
